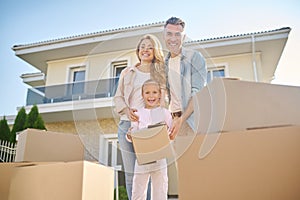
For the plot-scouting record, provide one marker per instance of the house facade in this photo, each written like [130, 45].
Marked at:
[78, 76]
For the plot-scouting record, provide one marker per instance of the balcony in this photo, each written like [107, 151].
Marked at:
[74, 101]
[72, 91]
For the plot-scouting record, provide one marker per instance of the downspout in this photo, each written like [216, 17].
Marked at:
[254, 59]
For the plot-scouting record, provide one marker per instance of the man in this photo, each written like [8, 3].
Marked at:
[186, 74]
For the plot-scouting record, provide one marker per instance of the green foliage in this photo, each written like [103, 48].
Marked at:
[32, 117]
[39, 123]
[122, 193]
[24, 121]
[19, 124]
[4, 130]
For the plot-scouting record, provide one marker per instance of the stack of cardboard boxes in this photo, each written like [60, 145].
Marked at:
[247, 144]
[51, 165]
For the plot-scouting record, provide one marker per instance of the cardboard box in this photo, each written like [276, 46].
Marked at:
[260, 164]
[151, 144]
[41, 146]
[228, 105]
[6, 172]
[81, 180]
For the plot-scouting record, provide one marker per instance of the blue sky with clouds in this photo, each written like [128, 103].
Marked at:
[31, 21]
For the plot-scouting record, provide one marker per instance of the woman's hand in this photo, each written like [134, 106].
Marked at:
[131, 114]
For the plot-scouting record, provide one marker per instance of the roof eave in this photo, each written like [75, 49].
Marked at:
[101, 34]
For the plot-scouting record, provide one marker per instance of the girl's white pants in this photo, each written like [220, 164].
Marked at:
[159, 180]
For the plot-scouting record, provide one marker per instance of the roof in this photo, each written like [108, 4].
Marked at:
[240, 35]
[38, 54]
[89, 35]
[135, 27]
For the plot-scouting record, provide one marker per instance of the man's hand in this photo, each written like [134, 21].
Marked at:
[176, 125]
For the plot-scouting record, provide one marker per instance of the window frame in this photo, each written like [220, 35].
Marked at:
[216, 67]
[75, 68]
[118, 64]
[71, 69]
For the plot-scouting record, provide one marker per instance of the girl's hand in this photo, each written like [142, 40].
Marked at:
[128, 137]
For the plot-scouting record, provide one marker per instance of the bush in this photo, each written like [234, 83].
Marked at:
[19, 124]
[24, 121]
[4, 130]
[31, 117]
[34, 119]
[39, 123]
[122, 193]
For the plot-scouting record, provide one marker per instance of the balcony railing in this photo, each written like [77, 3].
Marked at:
[72, 91]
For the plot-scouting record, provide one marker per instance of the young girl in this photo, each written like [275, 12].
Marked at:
[128, 96]
[151, 94]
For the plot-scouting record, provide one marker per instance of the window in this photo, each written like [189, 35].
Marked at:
[77, 78]
[77, 74]
[118, 67]
[215, 72]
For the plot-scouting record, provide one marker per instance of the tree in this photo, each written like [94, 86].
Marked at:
[34, 119]
[19, 124]
[31, 117]
[39, 123]
[4, 130]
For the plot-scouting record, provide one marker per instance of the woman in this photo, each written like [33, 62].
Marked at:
[128, 96]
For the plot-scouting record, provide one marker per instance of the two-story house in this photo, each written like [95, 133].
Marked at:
[78, 76]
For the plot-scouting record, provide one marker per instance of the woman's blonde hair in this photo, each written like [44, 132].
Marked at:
[157, 70]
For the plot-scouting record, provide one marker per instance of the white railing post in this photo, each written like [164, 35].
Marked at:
[7, 151]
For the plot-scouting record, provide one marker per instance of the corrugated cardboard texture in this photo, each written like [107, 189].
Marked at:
[261, 164]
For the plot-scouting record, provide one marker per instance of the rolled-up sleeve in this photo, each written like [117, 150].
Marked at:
[199, 72]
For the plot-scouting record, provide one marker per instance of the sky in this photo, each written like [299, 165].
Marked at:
[30, 21]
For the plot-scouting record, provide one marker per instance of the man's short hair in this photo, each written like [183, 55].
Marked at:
[175, 21]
